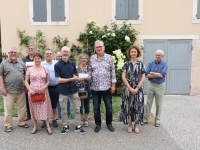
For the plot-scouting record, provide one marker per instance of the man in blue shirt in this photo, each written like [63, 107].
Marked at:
[65, 72]
[53, 85]
[155, 72]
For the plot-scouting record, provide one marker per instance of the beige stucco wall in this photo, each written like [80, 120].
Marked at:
[160, 17]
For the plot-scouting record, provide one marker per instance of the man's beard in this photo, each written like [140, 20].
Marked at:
[65, 57]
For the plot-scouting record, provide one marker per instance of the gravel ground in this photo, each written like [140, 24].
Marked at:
[179, 130]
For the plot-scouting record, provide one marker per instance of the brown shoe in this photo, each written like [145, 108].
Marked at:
[27, 118]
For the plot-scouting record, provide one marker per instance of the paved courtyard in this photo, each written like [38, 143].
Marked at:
[180, 129]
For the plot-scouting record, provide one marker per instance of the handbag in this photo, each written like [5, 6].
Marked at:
[83, 94]
[37, 97]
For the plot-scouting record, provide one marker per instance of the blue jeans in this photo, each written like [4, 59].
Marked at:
[107, 97]
[86, 104]
[69, 108]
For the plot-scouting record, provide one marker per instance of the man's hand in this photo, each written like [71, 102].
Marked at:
[3, 91]
[75, 78]
[113, 88]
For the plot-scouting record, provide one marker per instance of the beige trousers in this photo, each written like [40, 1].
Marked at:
[157, 91]
[8, 105]
[63, 99]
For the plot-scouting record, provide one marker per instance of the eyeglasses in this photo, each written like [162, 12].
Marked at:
[48, 53]
[31, 49]
[13, 52]
[98, 47]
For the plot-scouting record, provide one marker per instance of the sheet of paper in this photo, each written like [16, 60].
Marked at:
[83, 75]
[30, 64]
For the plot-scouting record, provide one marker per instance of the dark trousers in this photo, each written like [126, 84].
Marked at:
[28, 113]
[107, 97]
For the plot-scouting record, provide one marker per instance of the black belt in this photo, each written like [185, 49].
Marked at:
[53, 86]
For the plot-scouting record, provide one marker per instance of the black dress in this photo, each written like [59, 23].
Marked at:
[132, 108]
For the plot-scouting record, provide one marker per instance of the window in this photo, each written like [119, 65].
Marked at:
[196, 11]
[130, 10]
[49, 12]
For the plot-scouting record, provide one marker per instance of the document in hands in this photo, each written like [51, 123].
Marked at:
[82, 75]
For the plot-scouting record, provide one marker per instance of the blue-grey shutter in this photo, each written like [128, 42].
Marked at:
[179, 70]
[198, 9]
[133, 10]
[122, 9]
[57, 10]
[39, 10]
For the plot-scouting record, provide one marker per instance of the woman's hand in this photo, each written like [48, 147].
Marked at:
[88, 78]
[42, 90]
[133, 91]
[31, 92]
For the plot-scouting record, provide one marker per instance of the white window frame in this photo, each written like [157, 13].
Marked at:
[49, 22]
[194, 12]
[140, 13]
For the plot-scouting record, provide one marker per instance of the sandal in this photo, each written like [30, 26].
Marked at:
[130, 129]
[49, 131]
[143, 123]
[34, 130]
[8, 129]
[24, 126]
[157, 125]
[136, 129]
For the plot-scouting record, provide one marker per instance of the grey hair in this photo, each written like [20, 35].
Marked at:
[57, 53]
[98, 41]
[13, 48]
[159, 50]
[49, 49]
[65, 47]
[83, 55]
[32, 45]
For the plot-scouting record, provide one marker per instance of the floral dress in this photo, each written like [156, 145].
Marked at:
[39, 110]
[132, 108]
[86, 83]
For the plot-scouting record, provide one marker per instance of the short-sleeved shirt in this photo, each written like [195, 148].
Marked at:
[102, 72]
[13, 75]
[160, 67]
[66, 70]
[27, 59]
[50, 67]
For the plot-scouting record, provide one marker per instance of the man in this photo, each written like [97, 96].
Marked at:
[102, 73]
[65, 72]
[53, 85]
[29, 58]
[12, 73]
[155, 72]
[69, 103]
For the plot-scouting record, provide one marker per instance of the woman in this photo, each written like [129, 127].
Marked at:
[133, 76]
[39, 81]
[84, 83]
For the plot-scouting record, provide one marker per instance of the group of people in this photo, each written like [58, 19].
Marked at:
[60, 80]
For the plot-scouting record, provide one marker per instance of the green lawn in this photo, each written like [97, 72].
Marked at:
[116, 108]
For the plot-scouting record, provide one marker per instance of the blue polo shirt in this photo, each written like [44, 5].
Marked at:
[50, 67]
[66, 70]
[160, 67]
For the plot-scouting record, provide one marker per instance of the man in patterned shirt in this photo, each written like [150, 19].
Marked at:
[102, 73]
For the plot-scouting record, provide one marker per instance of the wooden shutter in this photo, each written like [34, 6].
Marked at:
[40, 10]
[57, 10]
[133, 10]
[122, 9]
[198, 10]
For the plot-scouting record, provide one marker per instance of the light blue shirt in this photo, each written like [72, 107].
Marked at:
[50, 67]
[160, 67]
